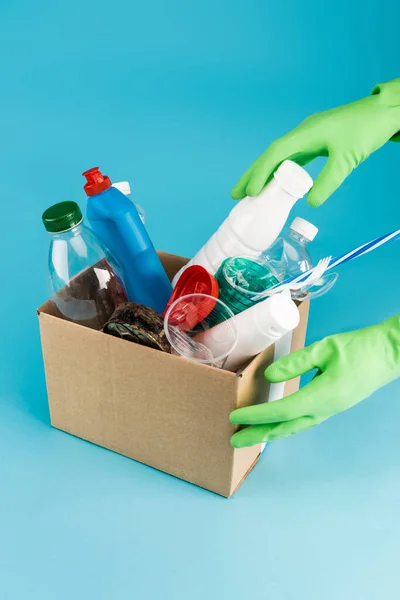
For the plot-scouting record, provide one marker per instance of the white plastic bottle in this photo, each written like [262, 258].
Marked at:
[255, 223]
[257, 328]
[125, 188]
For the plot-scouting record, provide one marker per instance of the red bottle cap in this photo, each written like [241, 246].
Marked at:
[194, 280]
[95, 182]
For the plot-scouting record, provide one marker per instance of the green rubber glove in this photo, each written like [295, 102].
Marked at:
[351, 366]
[347, 135]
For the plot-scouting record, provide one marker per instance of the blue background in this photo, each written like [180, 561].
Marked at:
[179, 97]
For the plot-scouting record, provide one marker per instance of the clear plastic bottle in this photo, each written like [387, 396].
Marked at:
[85, 285]
[289, 256]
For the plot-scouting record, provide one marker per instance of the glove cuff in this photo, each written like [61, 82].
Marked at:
[390, 96]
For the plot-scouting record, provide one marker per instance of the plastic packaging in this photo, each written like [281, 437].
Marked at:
[257, 328]
[317, 289]
[85, 285]
[254, 223]
[125, 188]
[242, 282]
[289, 256]
[185, 334]
[116, 221]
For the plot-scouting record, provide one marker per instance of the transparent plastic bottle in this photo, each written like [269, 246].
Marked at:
[85, 284]
[289, 255]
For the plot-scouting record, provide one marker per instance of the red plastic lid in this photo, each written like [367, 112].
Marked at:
[194, 280]
[95, 182]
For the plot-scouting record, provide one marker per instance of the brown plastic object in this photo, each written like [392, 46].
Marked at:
[140, 324]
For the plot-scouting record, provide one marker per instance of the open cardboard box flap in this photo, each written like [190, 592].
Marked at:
[162, 410]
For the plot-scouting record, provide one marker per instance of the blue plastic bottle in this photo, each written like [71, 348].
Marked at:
[115, 220]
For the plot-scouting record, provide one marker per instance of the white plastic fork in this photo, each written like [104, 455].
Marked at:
[313, 276]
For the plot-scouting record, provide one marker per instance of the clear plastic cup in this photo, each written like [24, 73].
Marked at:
[317, 289]
[189, 324]
[243, 281]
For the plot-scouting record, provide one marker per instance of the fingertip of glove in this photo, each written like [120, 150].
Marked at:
[314, 201]
[241, 439]
[271, 373]
[253, 189]
[248, 437]
[234, 417]
[235, 442]
[237, 194]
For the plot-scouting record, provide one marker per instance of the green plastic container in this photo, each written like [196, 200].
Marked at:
[242, 282]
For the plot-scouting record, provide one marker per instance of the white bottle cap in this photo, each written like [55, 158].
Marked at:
[293, 178]
[278, 315]
[123, 186]
[304, 228]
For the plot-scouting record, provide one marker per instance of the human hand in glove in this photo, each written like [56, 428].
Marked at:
[351, 366]
[347, 135]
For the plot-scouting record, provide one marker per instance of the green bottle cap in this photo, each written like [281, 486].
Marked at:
[62, 217]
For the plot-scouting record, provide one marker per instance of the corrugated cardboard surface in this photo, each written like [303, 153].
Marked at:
[162, 410]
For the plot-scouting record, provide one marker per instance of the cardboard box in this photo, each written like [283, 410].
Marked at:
[162, 410]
